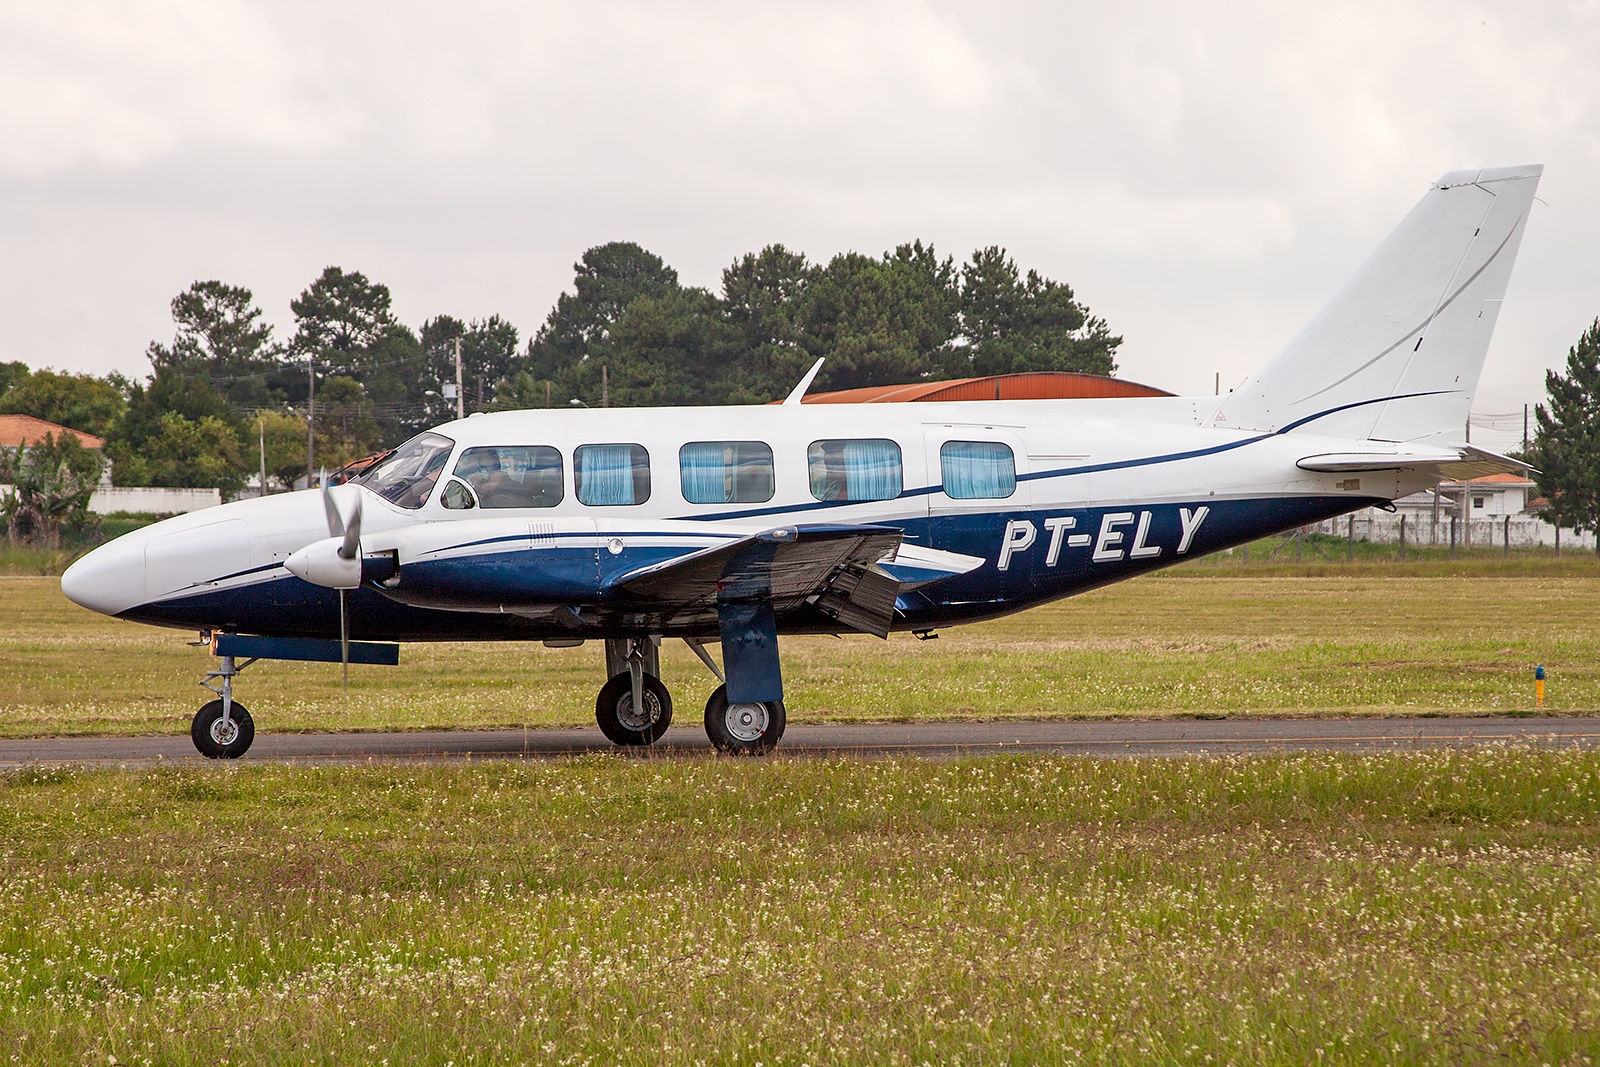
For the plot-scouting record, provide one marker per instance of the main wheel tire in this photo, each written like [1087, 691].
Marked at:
[743, 729]
[217, 740]
[613, 710]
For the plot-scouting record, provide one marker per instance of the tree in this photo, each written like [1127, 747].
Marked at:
[170, 391]
[606, 280]
[187, 454]
[488, 356]
[665, 350]
[80, 401]
[521, 391]
[345, 427]
[284, 434]
[1565, 451]
[764, 301]
[10, 375]
[345, 325]
[221, 335]
[52, 481]
[340, 314]
[884, 321]
[1012, 324]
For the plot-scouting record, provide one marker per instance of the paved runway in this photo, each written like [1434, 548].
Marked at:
[1165, 737]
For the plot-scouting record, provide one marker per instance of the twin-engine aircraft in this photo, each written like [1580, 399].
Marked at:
[735, 525]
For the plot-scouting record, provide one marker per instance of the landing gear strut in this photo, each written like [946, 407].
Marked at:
[223, 728]
[634, 707]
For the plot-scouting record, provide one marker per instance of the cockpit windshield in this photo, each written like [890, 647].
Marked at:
[407, 475]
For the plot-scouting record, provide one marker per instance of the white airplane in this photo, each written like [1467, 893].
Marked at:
[737, 524]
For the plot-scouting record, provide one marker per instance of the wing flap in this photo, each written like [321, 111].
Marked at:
[786, 567]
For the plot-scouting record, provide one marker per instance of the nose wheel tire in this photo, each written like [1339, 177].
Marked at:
[222, 740]
[613, 710]
[743, 729]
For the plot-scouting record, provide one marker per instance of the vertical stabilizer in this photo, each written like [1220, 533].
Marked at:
[1396, 355]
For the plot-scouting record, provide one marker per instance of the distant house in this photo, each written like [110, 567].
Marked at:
[17, 431]
[25, 430]
[1491, 510]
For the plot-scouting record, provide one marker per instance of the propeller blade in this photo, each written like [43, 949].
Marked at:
[352, 534]
[344, 640]
[335, 521]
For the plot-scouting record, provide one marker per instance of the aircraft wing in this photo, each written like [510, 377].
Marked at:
[831, 567]
[1453, 464]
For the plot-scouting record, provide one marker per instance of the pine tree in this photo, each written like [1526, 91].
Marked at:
[1566, 448]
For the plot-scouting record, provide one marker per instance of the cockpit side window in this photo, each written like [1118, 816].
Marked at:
[407, 476]
[513, 476]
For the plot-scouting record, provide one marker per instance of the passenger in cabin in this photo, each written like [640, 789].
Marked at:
[829, 480]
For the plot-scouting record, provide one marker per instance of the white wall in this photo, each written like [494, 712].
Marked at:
[152, 500]
[1384, 528]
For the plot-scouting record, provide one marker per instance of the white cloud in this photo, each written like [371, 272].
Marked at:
[1207, 173]
[117, 83]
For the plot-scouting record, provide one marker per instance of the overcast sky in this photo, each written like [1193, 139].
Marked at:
[1204, 174]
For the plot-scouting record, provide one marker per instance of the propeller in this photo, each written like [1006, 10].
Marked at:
[349, 549]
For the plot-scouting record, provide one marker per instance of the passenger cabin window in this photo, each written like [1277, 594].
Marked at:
[512, 476]
[977, 470]
[725, 472]
[855, 470]
[610, 475]
[406, 475]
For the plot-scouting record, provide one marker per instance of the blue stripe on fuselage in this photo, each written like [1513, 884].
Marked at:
[487, 588]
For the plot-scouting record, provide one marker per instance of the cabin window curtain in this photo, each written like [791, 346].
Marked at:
[855, 470]
[726, 472]
[872, 470]
[977, 470]
[609, 475]
[703, 473]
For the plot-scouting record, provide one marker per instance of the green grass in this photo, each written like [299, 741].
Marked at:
[1428, 908]
[1186, 642]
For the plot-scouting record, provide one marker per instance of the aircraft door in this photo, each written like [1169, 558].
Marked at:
[980, 502]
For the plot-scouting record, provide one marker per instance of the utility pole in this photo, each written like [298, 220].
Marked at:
[262, 425]
[461, 411]
[311, 421]
[605, 387]
[1524, 429]
[1219, 383]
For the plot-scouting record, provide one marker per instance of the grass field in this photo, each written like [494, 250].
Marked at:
[1215, 638]
[1439, 908]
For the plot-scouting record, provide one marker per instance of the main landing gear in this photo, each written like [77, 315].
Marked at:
[635, 709]
[223, 728]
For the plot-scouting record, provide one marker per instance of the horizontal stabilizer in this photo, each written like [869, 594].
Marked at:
[1447, 464]
[914, 566]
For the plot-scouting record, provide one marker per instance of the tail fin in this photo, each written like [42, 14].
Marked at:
[1396, 355]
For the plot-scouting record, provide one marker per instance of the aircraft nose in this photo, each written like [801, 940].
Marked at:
[109, 579]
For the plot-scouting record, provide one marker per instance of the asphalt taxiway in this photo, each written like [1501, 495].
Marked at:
[1101, 738]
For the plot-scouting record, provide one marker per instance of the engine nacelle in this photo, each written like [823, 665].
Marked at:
[320, 564]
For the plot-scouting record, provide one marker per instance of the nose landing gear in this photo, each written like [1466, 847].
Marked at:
[223, 729]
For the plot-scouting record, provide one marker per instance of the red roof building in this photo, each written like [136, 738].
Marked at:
[17, 430]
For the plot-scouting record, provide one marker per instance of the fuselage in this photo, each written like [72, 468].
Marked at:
[1055, 496]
